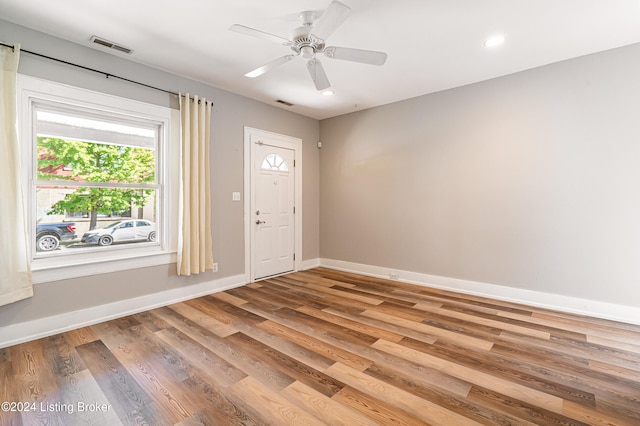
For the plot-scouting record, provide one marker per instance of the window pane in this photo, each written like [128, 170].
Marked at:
[61, 159]
[274, 162]
[78, 217]
[71, 125]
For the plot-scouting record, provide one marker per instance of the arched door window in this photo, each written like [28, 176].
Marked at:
[274, 162]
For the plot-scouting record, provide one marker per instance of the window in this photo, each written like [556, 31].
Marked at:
[96, 166]
[275, 162]
[99, 176]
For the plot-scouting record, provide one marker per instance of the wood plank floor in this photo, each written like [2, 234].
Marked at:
[326, 347]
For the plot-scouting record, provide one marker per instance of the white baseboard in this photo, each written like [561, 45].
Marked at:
[310, 264]
[31, 330]
[575, 305]
[36, 329]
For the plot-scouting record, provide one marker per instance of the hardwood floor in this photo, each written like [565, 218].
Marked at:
[326, 347]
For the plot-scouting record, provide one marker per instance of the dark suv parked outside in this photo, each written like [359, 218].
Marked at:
[49, 235]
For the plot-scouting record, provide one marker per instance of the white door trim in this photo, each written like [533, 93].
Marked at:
[288, 142]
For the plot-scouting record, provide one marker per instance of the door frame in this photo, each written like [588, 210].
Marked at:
[287, 142]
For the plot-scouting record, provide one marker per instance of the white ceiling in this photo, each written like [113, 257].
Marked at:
[432, 45]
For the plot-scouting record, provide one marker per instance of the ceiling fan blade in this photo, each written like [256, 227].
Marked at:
[271, 65]
[330, 20]
[318, 75]
[259, 34]
[370, 57]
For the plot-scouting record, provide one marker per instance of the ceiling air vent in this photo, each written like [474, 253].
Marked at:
[110, 44]
[280, 101]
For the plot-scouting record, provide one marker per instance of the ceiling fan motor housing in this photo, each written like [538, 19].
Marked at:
[305, 43]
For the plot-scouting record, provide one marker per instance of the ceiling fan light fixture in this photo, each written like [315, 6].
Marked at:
[328, 92]
[307, 52]
[494, 41]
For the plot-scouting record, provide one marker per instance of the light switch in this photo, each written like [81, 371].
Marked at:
[235, 196]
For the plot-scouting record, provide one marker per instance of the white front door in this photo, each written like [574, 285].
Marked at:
[273, 208]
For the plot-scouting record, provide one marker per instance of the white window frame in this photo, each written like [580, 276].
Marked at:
[90, 262]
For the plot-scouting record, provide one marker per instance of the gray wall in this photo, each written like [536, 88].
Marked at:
[530, 180]
[230, 114]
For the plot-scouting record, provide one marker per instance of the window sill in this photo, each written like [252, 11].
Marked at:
[44, 273]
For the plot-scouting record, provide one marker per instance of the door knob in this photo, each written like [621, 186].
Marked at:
[258, 222]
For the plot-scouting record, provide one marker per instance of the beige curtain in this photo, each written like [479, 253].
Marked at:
[15, 270]
[195, 253]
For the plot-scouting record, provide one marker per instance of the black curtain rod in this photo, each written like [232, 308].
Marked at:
[106, 74]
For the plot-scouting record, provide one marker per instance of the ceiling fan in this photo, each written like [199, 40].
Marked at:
[309, 40]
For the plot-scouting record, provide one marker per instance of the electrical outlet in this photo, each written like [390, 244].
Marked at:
[394, 276]
[215, 267]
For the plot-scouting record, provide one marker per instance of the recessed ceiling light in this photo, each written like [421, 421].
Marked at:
[328, 92]
[494, 41]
